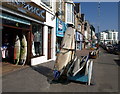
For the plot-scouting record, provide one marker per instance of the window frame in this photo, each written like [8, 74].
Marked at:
[71, 12]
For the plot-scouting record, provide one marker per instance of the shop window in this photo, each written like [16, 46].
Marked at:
[37, 38]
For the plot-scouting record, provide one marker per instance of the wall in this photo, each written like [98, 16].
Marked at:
[62, 9]
[42, 59]
[51, 22]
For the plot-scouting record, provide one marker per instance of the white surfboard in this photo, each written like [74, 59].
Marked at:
[65, 56]
[82, 65]
[90, 72]
[87, 67]
[17, 50]
[33, 49]
[23, 54]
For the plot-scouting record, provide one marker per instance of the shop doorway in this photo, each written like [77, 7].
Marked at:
[49, 42]
[10, 35]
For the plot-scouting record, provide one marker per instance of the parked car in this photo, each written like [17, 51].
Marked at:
[110, 48]
[116, 49]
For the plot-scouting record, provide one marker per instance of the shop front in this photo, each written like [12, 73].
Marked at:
[15, 39]
[60, 30]
[24, 32]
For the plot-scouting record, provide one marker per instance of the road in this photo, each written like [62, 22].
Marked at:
[35, 79]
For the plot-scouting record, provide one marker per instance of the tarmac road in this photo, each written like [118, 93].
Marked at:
[35, 79]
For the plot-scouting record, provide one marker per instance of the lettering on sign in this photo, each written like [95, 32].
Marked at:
[60, 26]
[27, 8]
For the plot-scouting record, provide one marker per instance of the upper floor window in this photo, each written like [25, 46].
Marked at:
[110, 36]
[107, 36]
[69, 13]
[114, 36]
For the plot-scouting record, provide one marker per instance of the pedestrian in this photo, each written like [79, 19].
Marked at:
[97, 45]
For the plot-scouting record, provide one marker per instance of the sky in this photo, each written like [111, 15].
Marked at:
[106, 17]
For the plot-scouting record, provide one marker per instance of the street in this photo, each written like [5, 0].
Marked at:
[35, 79]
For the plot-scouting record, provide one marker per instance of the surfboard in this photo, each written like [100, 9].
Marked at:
[23, 53]
[33, 49]
[82, 65]
[87, 67]
[90, 72]
[17, 50]
[66, 54]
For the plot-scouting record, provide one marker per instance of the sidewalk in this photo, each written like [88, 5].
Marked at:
[35, 79]
[8, 68]
[83, 52]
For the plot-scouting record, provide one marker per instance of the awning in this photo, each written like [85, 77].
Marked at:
[13, 18]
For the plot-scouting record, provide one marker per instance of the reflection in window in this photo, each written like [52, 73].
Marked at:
[37, 44]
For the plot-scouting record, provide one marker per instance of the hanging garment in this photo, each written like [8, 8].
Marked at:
[33, 49]
[3, 50]
[37, 48]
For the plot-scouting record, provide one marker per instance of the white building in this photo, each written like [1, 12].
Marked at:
[109, 36]
[49, 33]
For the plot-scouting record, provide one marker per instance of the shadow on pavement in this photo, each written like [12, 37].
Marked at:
[117, 62]
[47, 72]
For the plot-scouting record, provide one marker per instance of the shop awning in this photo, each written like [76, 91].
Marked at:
[13, 18]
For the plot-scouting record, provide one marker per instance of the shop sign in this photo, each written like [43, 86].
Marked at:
[28, 8]
[79, 36]
[60, 28]
[15, 24]
[79, 27]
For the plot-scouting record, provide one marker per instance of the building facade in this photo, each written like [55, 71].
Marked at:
[60, 23]
[87, 34]
[35, 20]
[64, 19]
[78, 26]
[109, 36]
